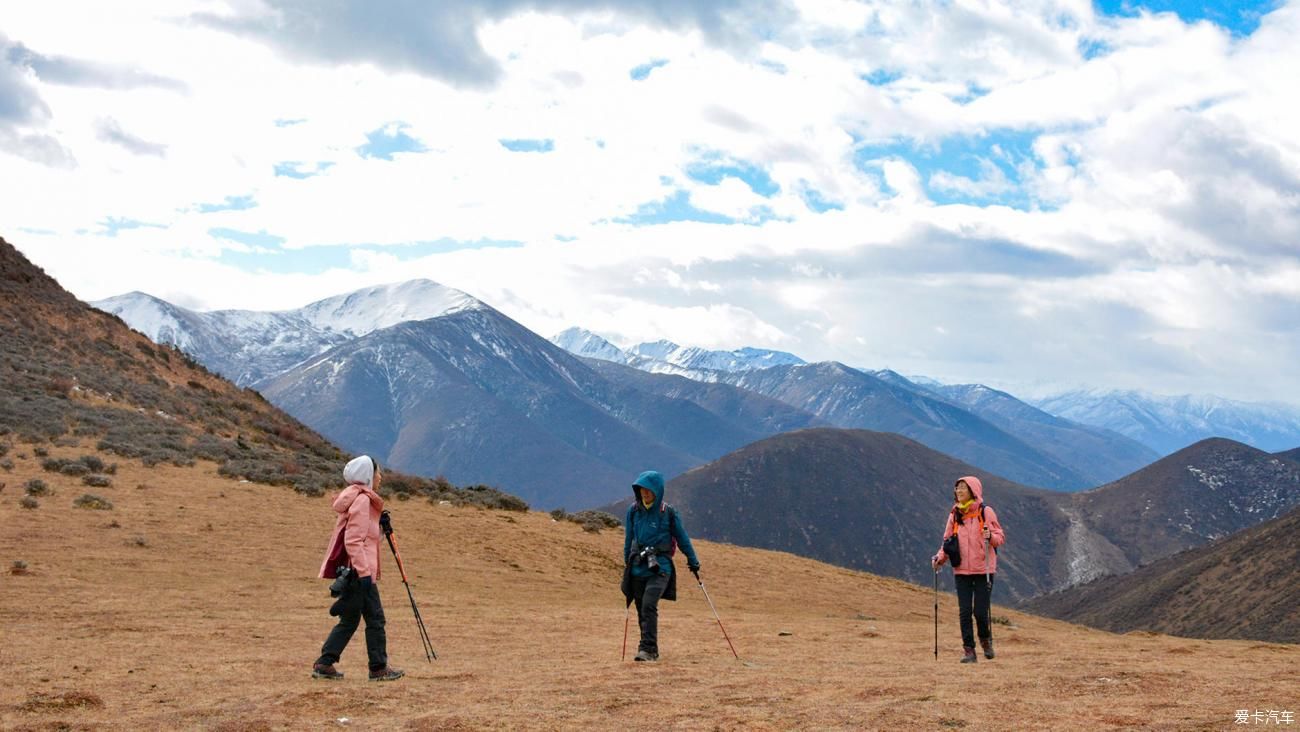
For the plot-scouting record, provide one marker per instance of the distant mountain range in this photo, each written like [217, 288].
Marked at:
[1244, 586]
[451, 386]
[992, 429]
[434, 382]
[876, 501]
[1162, 424]
[1169, 423]
[666, 357]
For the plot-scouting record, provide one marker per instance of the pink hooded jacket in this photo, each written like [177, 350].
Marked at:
[357, 527]
[969, 536]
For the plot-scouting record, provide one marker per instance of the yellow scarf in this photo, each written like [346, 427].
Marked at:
[965, 506]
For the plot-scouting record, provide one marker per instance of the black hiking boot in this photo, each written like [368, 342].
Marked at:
[970, 656]
[325, 671]
[646, 656]
[387, 673]
[987, 643]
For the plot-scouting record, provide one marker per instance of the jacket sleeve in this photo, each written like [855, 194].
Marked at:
[991, 522]
[354, 536]
[627, 536]
[947, 529]
[683, 540]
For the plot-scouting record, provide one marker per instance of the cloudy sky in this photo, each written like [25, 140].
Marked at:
[1025, 194]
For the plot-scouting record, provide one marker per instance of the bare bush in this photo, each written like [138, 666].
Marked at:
[97, 481]
[37, 487]
[91, 501]
[29, 502]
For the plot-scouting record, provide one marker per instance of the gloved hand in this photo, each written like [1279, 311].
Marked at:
[695, 569]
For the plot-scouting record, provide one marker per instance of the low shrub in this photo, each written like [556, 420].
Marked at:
[29, 502]
[37, 487]
[97, 503]
[97, 481]
[74, 469]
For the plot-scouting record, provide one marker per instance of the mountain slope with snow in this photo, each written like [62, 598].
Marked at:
[1170, 423]
[249, 347]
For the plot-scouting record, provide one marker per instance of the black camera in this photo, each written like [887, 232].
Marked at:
[342, 576]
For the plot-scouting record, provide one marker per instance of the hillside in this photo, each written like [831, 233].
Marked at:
[873, 501]
[75, 376]
[1246, 586]
[73, 373]
[191, 605]
[877, 501]
[1203, 492]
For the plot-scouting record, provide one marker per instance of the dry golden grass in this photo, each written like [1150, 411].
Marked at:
[192, 605]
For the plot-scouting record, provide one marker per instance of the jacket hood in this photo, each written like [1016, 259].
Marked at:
[976, 487]
[346, 496]
[654, 481]
[360, 469]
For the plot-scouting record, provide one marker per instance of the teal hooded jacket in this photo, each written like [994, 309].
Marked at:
[651, 527]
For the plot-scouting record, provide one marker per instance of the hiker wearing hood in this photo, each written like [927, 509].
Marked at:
[974, 525]
[355, 545]
[652, 531]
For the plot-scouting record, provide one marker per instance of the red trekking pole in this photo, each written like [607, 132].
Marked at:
[696, 572]
[626, 615]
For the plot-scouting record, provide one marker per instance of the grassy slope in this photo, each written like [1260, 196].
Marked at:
[214, 622]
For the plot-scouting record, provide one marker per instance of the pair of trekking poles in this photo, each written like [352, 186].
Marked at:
[987, 580]
[627, 614]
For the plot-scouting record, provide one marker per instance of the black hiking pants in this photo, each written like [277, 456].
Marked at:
[973, 593]
[646, 592]
[354, 604]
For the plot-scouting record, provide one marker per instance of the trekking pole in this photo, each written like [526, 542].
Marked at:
[715, 613]
[626, 615]
[386, 524]
[988, 583]
[936, 615]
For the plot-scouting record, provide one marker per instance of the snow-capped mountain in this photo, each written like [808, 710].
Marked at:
[582, 342]
[1169, 423]
[249, 347]
[666, 357]
[741, 359]
[1098, 454]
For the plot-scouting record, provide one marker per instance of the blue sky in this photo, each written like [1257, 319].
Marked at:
[1030, 194]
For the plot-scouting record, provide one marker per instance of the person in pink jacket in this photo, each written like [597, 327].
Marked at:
[974, 525]
[355, 544]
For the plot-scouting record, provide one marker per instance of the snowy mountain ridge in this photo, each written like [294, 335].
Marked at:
[666, 357]
[1169, 423]
[249, 346]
